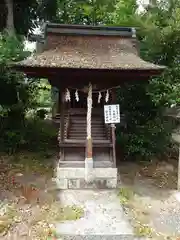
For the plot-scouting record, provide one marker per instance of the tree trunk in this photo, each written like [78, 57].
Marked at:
[10, 17]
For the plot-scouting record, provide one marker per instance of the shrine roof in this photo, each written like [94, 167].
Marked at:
[89, 47]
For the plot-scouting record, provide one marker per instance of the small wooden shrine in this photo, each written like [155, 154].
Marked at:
[87, 64]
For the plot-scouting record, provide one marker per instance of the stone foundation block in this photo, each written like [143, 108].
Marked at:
[75, 178]
[89, 170]
[70, 173]
[74, 183]
[62, 183]
[85, 185]
[111, 183]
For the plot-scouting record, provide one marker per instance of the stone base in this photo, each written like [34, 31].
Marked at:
[177, 196]
[89, 174]
[75, 178]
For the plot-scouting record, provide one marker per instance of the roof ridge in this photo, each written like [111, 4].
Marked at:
[70, 29]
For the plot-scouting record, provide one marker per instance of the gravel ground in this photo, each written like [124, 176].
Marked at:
[168, 219]
[103, 214]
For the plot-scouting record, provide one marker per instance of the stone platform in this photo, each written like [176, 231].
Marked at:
[74, 178]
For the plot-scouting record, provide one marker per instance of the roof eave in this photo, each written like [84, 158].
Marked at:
[156, 71]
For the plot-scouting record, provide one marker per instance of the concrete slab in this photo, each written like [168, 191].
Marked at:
[103, 214]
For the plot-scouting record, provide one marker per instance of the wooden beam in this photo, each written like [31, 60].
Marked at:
[114, 97]
[116, 76]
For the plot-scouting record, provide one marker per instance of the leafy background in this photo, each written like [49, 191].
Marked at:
[147, 132]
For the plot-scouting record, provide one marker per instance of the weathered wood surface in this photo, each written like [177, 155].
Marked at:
[81, 164]
[73, 145]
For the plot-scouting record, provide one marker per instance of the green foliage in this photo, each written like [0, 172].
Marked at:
[34, 135]
[146, 141]
[85, 12]
[28, 13]
[41, 113]
[16, 98]
[43, 96]
[147, 132]
[47, 10]
[125, 12]
[162, 46]
[11, 49]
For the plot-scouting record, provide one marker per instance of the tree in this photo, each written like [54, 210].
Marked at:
[158, 32]
[125, 13]
[18, 16]
[85, 12]
[10, 17]
[24, 16]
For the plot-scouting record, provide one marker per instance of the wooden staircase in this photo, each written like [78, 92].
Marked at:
[77, 128]
[73, 148]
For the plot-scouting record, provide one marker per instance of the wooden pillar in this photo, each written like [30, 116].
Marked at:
[62, 116]
[113, 134]
[59, 102]
[55, 100]
[113, 96]
[113, 131]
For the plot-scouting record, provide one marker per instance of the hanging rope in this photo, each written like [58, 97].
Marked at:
[99, 91]
[107, 96]
[99, 97]
[89, 111]
[67, 96]
[77, 96]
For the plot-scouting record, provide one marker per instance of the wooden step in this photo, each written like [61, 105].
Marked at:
[83, 131]
[69, 143]
[83, 142]
[84, 137]
[81, 164]
[94, 136]
[85, 123]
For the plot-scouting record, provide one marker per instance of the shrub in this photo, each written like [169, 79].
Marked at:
[42, 113]
[147, 132]
[34, 135]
